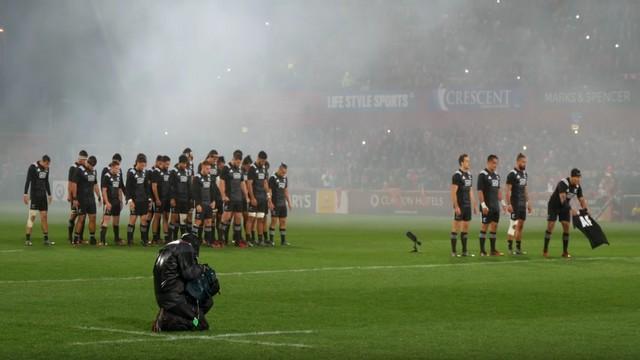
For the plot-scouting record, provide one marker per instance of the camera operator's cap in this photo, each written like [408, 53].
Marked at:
[191, 239]
[575, 172]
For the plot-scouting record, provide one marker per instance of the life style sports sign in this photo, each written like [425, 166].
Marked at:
[371, 101]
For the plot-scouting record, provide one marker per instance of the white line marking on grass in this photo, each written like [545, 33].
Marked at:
[74, 280]
[336, 268]
[230, 337]
[10, 251]
[414, 266]
[257, 333]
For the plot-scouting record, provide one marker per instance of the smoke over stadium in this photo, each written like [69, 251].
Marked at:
[370, 106]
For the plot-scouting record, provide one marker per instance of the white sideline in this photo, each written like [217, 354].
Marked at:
[230, 337]
[337, 268]
[10, 251]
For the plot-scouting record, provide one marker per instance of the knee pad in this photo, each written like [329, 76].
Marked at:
[183, 219]
[512, 227]
[32, 216]
[260, 215]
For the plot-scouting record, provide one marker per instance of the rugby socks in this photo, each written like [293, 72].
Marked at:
[76, 238]
[213, 232]
[454, 240]
[260, 239]
[283, 236]
[103, 234]
[483, 239]
[237, 232]
[46, 236]
[224, 228]
[156, 236]
[547, 238]
[565, 242]
[166, 237]
[272, 233]
[253, 236]
[518, 245]
[265, 235]
[116, 233]
[28, 237]
[197, 231]
[70, 229]
[130, 229]
[172, 230]
[183, 230]
[463, 240]
[510, 242]
[208, 237]
[82, 230]
[92, 238]
[226, 232]
[492, 240]
[144, 234]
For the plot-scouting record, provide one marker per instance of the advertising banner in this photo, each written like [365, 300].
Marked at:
[455, 99]
[400, 101]
[395, 201]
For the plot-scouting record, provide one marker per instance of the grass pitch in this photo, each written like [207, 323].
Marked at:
[347, 288]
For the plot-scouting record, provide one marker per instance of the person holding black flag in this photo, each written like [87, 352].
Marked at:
[184, 289]
[559, 208]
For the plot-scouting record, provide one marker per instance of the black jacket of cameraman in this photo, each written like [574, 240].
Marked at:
[175, 266]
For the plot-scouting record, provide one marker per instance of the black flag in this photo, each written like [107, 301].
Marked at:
[590, 228]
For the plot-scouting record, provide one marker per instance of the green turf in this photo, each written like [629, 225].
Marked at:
[425, 305]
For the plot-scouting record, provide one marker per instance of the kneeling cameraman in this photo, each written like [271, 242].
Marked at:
[183, 288]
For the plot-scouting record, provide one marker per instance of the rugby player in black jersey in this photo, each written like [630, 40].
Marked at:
[138, 194]
[82, 158]
[463, 202]
[112, 186]
[280, 204]
[490, 199]
[233, 190]
[204, 192]
[37, 194]
[87, 190]
[179, 197]
[559, 208]
[516, 196]
[160, 194]
[257, 186]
